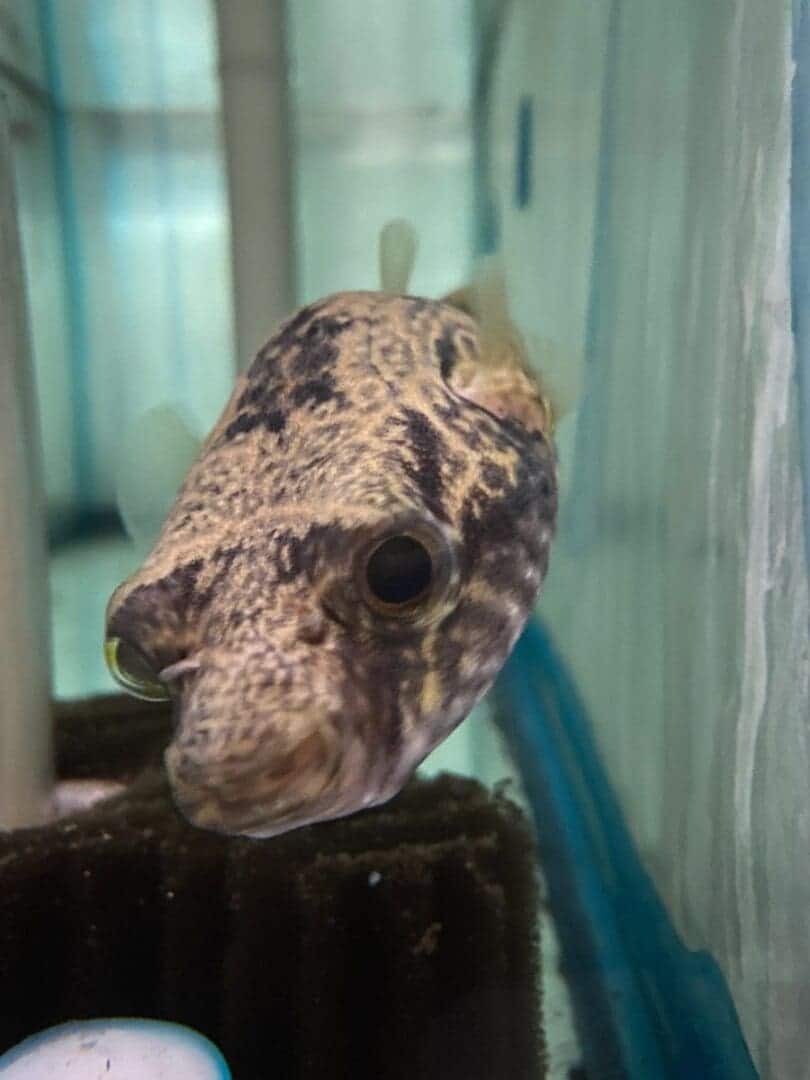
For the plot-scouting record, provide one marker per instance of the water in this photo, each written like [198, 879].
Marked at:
[632, 161]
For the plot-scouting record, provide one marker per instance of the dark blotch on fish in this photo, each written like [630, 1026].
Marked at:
[315, 392]
[429, 450]
[243, 423]
[447, 352]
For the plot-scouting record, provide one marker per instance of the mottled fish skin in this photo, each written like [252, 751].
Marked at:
[301, 702]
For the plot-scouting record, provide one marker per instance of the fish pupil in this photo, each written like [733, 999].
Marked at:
[399, 571]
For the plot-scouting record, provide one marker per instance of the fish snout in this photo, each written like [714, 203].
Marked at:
[245, 787]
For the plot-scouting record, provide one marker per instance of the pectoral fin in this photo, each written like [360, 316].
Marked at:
[155, 454]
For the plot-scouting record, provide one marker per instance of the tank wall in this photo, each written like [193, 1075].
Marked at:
[23, 84]
[655, 248]
[381, 103]
[122, 206]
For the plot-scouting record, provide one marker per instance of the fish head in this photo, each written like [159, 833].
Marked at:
[346, 566]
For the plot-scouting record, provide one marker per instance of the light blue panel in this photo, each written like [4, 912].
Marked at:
[382, 115]
[82, 577]
[23, 82]
[153, 230]
[144, 219]
[20, 44]
[41, 234]
[362, 57]
[144, 55]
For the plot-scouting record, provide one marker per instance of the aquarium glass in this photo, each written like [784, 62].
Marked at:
[381, 104]
[640, 167]
[644, 210]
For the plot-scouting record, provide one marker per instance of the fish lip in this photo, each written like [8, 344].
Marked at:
[227, 802]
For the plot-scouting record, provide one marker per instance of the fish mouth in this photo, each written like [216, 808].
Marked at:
[262, 819]
[316, 781]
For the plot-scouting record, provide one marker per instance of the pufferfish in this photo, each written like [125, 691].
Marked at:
[350, 558]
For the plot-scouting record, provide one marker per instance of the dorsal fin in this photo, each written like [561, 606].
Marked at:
[500, 379]
[156, 452]
[511, 365]
[398, 243]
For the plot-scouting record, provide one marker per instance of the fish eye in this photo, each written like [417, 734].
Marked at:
[132, 671]
[399, 573]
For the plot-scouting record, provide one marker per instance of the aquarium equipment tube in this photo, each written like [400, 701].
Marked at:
[253, 76]
[26, 758]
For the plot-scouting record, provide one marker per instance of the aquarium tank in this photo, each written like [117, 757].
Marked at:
[603, 871]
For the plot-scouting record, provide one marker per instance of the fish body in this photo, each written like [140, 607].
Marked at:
[348, 562]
